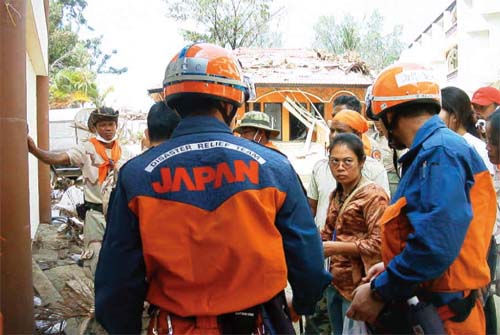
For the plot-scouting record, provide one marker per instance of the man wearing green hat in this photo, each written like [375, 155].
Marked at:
[256, 126]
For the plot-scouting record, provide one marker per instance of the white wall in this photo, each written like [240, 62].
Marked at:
[33, 162]
[477, 36]
[36, 64]
[37, 36]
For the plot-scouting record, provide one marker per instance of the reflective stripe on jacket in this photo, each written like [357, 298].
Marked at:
[205, 224]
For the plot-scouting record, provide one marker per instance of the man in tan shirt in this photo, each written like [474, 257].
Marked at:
[99, 158]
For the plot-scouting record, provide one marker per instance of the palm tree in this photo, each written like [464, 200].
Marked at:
[72, 87]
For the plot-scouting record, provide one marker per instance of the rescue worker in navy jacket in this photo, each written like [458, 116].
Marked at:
[436, 233]
[207, 227]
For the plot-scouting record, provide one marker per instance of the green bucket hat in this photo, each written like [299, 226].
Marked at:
[257, 120]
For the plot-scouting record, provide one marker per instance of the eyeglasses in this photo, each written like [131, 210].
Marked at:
[346, 162]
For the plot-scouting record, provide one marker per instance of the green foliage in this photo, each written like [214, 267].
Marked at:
[364, 37]
[338, 38]
[229, 23]
[74, 62]
[72, 87]
[66, 48]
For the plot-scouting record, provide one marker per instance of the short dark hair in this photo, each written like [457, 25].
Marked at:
[189, 104]
[162, 121]
[349, 100]
[494, 121]
[457, 102]
[352, 141]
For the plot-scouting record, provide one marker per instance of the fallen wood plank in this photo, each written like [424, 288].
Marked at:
[43, 286]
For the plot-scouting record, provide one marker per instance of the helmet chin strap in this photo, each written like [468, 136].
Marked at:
[390, 140]
[255, 139]
[390, 130]
[228, 117]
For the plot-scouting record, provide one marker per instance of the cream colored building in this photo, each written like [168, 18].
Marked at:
[36, 65]
[24, 99]
[462, 44]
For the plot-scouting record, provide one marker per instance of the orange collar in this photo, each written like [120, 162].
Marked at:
[108, 164]
[272, 146]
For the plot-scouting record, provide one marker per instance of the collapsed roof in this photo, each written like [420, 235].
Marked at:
[302, 67]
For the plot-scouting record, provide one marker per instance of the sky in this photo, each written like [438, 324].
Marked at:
[146, 40]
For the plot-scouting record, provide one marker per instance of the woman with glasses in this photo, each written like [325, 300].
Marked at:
[351, 237]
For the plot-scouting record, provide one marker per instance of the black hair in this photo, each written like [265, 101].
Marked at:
[162, 121]
[494, 121]
[349, 100]
[193, 103]
[197, 104]
[457, 102]
[352, 141]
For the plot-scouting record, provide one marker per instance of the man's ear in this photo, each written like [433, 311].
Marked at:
[145, 142]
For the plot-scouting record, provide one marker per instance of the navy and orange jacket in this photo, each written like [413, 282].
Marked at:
[205, 224]
[437, 231]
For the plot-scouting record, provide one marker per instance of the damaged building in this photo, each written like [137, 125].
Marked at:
[297, 87]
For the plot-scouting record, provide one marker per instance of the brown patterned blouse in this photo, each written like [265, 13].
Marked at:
[358, 223]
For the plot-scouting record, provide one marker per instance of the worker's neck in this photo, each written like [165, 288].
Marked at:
[461, 131]
[155, 143]
[215, 113]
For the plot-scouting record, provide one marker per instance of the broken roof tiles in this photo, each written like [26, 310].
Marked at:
[302, 67]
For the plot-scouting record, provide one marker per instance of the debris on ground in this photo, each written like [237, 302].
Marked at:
[64, 295]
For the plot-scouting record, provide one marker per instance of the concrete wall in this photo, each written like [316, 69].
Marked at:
[475, 35]
[33, 162]
[36, 65]
[37, 36]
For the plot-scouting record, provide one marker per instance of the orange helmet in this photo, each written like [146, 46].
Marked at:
[401, 84]
[208, 70]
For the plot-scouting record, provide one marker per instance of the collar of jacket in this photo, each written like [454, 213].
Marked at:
[426, 131]
[200, 124]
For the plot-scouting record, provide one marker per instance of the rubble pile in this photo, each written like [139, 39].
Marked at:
[301, 66]
[63, 293]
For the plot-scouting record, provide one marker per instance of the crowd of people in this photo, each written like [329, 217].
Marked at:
[209, 228]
